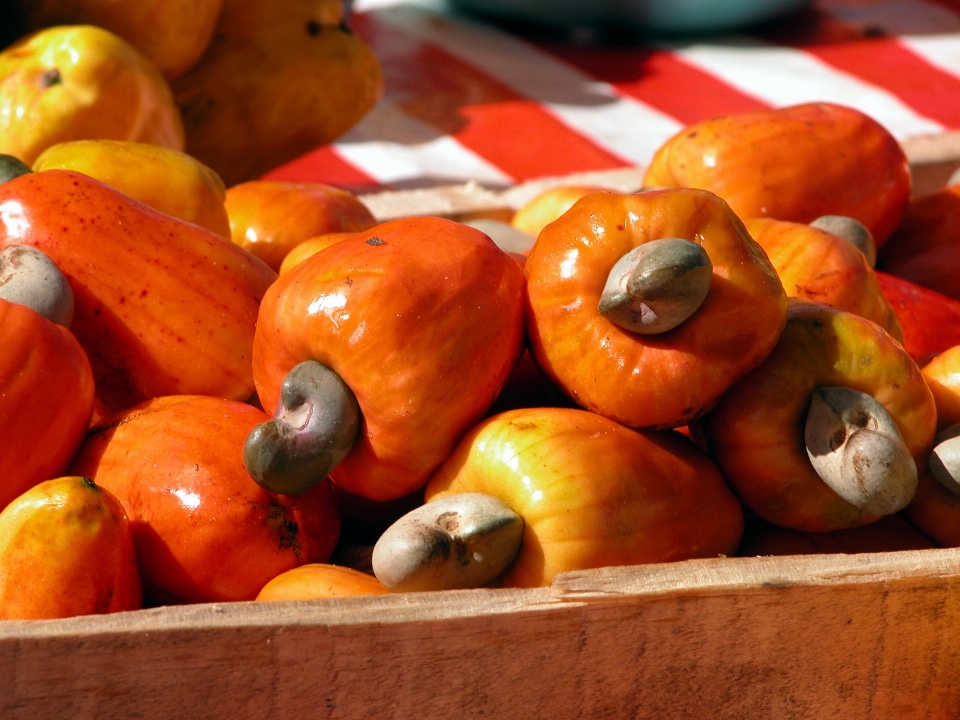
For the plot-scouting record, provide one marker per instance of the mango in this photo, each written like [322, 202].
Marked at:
[280, 78]
[172, 33]
[79, 82]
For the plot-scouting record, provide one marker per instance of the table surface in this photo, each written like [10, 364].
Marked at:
[467, 100]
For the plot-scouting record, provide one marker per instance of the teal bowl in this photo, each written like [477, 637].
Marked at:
[671, 17]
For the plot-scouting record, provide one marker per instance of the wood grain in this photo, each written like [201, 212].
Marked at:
[823, 636]
[933, 159]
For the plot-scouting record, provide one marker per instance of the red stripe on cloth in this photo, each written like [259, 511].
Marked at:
[324, 165]
[950, 4]
[880, 61]
[659, 79]
[515, 134]
[887, 64]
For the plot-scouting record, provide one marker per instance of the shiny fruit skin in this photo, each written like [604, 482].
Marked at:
[650, 381]
[942, 374]
[46, 399]
[934, 509]
[930, 321]
[76, 82]
[547, 206]
[794, 163]
[270, 218]
[319, 581]
[756, 432]
[204, 531]
[308, 248]
[163, 178]
[820, 267]
[162, 306]
[422, 318]
[66, 549]
[593, 493]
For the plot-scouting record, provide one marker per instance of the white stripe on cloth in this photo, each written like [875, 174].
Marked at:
[397, 150]
[929, 30]
[622, 126]
[782, 76]
[941, 51]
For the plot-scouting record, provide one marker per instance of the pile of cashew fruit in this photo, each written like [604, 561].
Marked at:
[280, 398]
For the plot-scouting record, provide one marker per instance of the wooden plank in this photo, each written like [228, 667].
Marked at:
[932, 158]
[860, 636]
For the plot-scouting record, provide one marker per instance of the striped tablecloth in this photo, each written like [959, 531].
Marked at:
[469, 101]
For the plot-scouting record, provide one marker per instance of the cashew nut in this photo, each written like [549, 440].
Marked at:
[857, 449]
[459, 541]
[315, 425]
[656, 286]
[28, 276]
[945, 459]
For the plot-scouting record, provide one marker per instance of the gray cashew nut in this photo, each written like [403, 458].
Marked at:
[945, 459]
[12, 167]
[656, 286]
[28, 276]
[313, 429]
[856, 448]
[459, 541]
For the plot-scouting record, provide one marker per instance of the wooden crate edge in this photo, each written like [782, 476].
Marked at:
[633, 583]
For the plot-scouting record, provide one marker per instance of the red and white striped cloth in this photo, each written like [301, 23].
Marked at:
[469, 101]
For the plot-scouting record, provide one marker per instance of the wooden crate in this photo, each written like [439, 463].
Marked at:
[824, 636]
[821, 636]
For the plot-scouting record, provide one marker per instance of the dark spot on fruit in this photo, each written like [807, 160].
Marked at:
[286, 529]
[313, 28]
[449, 521]
[374, 241]
[50, 78]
